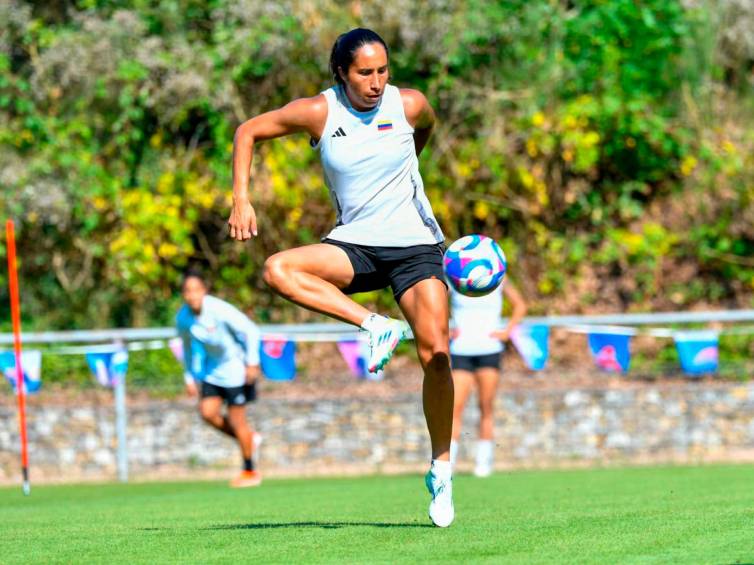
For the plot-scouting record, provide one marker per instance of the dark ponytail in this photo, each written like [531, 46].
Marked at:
[345, 48]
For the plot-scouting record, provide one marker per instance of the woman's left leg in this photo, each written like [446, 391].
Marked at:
[242, 430]
[425, 306]
[487, 379]
[249, 477]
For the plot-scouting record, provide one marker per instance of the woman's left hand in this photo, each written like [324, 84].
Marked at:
[502, 335]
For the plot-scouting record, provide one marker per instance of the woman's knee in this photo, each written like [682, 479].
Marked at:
[237, 417]
[434, 353]
[486, 407]
[277, 272]
[209, 415]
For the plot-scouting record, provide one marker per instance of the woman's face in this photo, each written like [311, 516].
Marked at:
[367, 76]
[194, 292]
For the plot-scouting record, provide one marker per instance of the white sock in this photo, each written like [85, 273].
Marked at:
[484, 449]
[441, 469]
[453, 453]
[370, 321]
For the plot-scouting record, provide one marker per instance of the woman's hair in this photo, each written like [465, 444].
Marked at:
[194, 273]
[345, 47]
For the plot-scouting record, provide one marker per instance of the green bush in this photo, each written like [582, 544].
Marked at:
[601, 141]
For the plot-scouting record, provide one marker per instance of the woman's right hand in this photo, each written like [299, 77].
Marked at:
[242, 223]
[191, 389]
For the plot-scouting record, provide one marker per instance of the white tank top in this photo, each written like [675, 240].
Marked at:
[475, 318]
[372, 172]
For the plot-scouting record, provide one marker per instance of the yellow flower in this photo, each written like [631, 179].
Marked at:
[526, 177]
[591, 139]
[167, 250]
[632, 242]
[481, 210]
[545, 286]
[688, 165]
[531, 147]
[538, 119]
[463, 170]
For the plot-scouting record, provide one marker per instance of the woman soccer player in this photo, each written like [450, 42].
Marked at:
[475, 349]
[369, 135]
[221, 351]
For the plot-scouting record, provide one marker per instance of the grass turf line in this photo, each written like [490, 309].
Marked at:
[638, 515]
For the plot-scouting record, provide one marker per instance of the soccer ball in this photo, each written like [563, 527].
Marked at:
[474, 265]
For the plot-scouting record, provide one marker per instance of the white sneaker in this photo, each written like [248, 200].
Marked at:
[482, 469]
[384, 336]
[441, 510]
[256, 441]
[484, 458]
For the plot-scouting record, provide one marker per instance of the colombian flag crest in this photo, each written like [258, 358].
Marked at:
[384, 125]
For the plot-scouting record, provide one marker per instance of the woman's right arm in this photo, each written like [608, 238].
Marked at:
[302, 115]
[188, 359]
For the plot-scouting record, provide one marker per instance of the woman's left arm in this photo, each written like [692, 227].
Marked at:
[518, 311]
[420, 116]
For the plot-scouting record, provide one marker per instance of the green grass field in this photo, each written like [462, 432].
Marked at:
[639, 515]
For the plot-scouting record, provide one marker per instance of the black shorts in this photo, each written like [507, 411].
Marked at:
[233, 396]
[400, 268]
[474, 362]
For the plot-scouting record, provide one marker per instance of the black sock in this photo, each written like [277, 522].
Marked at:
[248, 464]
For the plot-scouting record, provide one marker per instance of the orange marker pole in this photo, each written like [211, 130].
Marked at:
[15, 311]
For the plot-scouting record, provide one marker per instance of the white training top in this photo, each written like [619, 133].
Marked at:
[475, 318]
[372, 172]
[218, 343]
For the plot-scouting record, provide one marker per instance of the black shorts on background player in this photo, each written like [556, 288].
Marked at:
[234, 395]
[474, 362]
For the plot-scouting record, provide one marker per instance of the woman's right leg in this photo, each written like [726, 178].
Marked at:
[313, 276]
[210, 407]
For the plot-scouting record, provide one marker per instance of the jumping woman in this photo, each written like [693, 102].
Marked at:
[369, 135]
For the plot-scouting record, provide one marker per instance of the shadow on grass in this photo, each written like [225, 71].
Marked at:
[324, 525]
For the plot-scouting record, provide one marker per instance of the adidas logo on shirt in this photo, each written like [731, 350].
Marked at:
[339, 133]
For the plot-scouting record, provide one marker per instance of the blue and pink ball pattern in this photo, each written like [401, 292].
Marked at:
[474, 265]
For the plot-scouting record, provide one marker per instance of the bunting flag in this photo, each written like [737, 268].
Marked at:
[109, 367]
[698, 351]
[198, 356]
[532, 343]
[351, 351]
[355, 353]
[610, 351]
[176, 348]
[278, 358]
[31, 364]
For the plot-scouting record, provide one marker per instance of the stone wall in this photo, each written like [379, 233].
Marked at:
[538, 428]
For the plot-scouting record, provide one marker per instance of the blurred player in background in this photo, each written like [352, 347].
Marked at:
[477, 342]
[221, 359]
